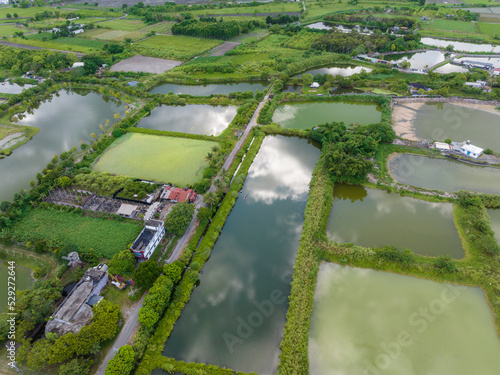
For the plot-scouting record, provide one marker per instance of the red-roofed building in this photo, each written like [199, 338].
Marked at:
[173, 194]
[496, 71]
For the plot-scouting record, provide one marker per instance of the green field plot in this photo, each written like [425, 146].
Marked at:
[249, 37]
[66, 44]
[127, 25]
[303, 40]
[273, 7]
[120, 35]
[24, 12]
[167, 159]
[8, 30]
[159, 28]
[491, 29]
[175, 47]
[446, 25]
[104, 236]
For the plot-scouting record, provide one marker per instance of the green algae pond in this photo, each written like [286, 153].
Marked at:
[310, 114]
[374, 218]
[372, 323]
[209, 89]
[439, 121]
[443, 174]
[23, 280]
[236, 316]
[191, 118]
[64, 120]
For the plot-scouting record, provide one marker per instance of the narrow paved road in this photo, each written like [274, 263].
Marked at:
[181, 244]
[123, 338]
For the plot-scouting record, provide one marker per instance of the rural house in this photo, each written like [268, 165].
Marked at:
[470, 150]
[147, 241]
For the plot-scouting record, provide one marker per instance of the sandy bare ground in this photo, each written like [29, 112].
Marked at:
[5, 141]
[403, 119]
[223, 48]
[145, 64]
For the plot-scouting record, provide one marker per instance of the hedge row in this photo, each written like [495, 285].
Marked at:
[167, 133]
[153, 356]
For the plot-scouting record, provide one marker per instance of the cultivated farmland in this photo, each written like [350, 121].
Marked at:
[106, 237]
[175, 47]
[177, 160]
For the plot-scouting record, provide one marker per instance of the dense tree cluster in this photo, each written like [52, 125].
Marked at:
[155, 301]
[216, 30]
[378, 23]
[281, 19]
[179, 218]
[122, 363]
[20, 60]
[347, 152]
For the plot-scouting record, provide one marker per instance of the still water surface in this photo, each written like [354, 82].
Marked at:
[250, 266]
[206, 90]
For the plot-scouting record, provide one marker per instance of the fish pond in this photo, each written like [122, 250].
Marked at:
[310, 114]
[319, 26]
[374, 218]
[236, 316]
[443, 174]
[191, 118]
[338, 70]
[418, 60]
[209, 89]
[372, 322]
[460, 46]
[439, 121]
[13, 88]
[22, 281]
[450, 68]
[64, 120]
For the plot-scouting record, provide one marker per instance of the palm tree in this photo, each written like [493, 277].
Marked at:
[210, 198]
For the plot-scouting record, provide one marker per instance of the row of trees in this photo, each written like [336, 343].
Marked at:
[378, 23]
[281, 19]
[217, 30]
[20, 60]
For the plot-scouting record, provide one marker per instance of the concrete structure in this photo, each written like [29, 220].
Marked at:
[148, 239]
[178, 195]
[76, 311]
[77, 31]
[150, 213]
[476, 64]
[127, 210]
[314, 85]
[479, 85]
[442, 146]
[496, 71]
[77, 65]
[470, 150]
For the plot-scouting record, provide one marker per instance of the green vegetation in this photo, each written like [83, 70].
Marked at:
[104, 237]
[179, 218]
[139, 155]
[122, 263]
[211, 28]
[174, 47]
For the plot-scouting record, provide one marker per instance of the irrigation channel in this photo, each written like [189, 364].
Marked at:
[209, 89]
[444, 174]
[64, 120]
[191, 118]
[235, 317]
[374, 218]
[308, 115]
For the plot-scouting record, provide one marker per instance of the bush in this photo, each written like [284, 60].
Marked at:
[40, 246]
[174, 271]
[488, 151]
[178, 218]
[445, 265]
[122, 363]
[146, 274]
[117, 133]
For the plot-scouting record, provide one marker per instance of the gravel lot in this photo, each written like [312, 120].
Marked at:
[144, 64]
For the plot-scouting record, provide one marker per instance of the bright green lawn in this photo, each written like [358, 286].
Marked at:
[175, 47]
[119, 35]
[106, 237]
[66, 44]
[127, 25]
[167, 159]
[448, 25]
[8, 30]
[491, 29]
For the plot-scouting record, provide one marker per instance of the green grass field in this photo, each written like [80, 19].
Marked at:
[175, 47]
[491, 29]
[119, 35]
[8, 30]
[127, 25]
[106, 237]
[167, 159]
[447, 25]
[66, 44]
